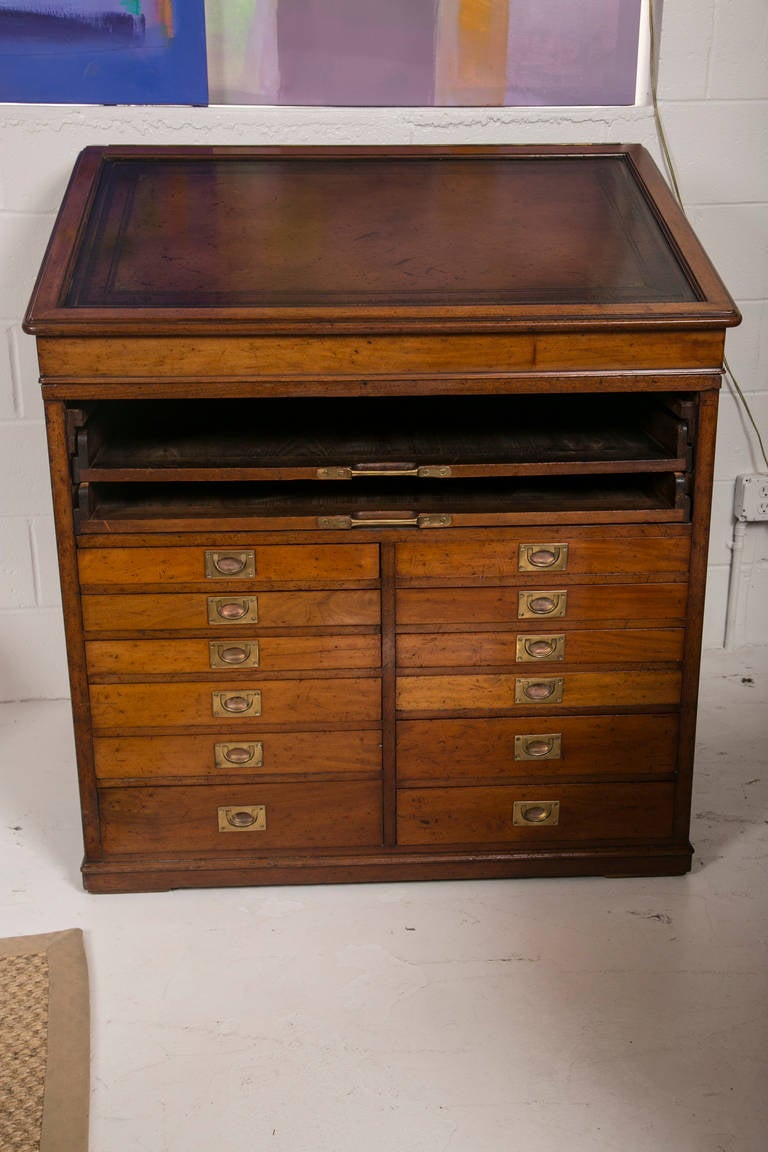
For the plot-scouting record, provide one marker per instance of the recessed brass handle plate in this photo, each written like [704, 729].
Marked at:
[244, 755]
[531, 648]
[546, 690]
[231, 703]
[233, 609]
[536, 557]
[539, 746]
[232, 565]
[424, 520]
[536, 812]
[547, 603]
[243, 818]
[242, 655]
[425, 472]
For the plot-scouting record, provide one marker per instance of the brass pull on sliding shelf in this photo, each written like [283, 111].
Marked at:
[548, 603]
[549, 691]
[423, 472]
[236, 703]
[530, 648]
[385, 520]
[225, 610]
[233, 655]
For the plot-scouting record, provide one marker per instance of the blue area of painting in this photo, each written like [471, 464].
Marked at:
[102, 58]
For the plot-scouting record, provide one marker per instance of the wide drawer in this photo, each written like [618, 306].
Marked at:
[526, 815]
[499, 749]
[578, 605]
[501, 693]
[292, 563]
[227, 753]
[581, 646]
[189, 819]
[164, 612]
[268, 653]
[238, 703]
[545, 550]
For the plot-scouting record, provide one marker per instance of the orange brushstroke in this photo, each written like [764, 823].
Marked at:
[472, 52]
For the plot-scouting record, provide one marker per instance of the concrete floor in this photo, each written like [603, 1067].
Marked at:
[582, 1015]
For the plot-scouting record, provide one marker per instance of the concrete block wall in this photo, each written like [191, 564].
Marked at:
[714, 90]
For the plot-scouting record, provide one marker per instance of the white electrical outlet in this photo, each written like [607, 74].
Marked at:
[751, 497]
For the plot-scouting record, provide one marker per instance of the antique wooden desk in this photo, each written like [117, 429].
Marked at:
[382, 484]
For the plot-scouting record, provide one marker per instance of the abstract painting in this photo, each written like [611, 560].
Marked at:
[103, 51]
[450, 53]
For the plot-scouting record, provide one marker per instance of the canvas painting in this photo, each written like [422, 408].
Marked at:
[103, 51]
[452, 53]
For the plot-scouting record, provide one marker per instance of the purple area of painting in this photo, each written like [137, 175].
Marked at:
[561, 52]
[357, 52]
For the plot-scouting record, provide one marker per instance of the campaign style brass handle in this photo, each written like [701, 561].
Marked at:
[539, 746]
[243, 818]
[536, 812]
[243, 755]
[236, 703]
[550, 647]
[548, 603]
[232, 655]
[532, 557]
[232, 564]
[226, 610]
[545, 691]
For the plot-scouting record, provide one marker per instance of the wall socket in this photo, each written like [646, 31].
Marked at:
[750, 500]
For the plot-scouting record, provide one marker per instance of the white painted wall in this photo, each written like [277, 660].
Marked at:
[714, 88]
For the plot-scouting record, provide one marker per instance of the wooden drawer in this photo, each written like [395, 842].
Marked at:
[487, 815]
[267, 653]
[270, 754]
[543, 550]
[501, 749]
[583, 646]
[161, 613]
[578, 605]
[497, 693]
[296, 816]
[294, 563]
[270, 702]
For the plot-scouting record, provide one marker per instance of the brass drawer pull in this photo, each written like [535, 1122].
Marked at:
[425, 472]
[232, 655]
[538, 812]
[243, 818]
[532, 557]
[232, 564]
[239, 755]
[423, 520]
[531, 604]
[224, 610]
[549, 691]
[539, 746]
[236, 703]
[550, 647]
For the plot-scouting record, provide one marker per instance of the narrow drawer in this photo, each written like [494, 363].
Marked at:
[164, 612]
[187, 819]
[504, 749]
[267, 653]
[249, 753]
[577, 605]
[505, 693]
[500, 815]
[292, 563]
[581, 646]
[543, 550]
[238, 703]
